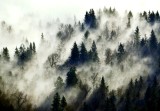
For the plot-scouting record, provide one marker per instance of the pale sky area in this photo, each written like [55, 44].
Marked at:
[13, 10]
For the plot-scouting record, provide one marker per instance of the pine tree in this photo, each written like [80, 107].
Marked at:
[129, 23]
[87, 18]
[71, 79]
[153, 42]
[93, 53]
[5, 54]
[121, 53]
[86, 34]
[137, 37]
[83, 54]
[108, 56]
[130, 15]
[157, 17]
[59, 83]
[34, 48]
[63, 103]
[16, 53]
[90, 19]
[74, 58]
[56, 103]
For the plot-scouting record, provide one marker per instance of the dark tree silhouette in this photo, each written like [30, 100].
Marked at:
[56, 103]
[83, 54]
[74, 58]
[71, 79]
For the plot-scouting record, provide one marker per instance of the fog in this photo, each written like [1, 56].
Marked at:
[30, 18]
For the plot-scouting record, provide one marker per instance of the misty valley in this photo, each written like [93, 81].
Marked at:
[106, 62]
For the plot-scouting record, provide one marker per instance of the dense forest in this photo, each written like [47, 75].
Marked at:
[106, 62]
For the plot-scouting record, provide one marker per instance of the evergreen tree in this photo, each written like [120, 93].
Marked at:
[86, 34]
[82, 27]
[93, 53]
[30, 46]
[16, 52]
[157, 16]
[93, 19]
[74, 58]
[34, 48]
[5, 54]
[63, 104]
[137, 37]
[71, 79]
[110, 102]
[59, 83]
[152, 18]
[121, 53]
[56, 103]
[129, 23]
[121, 49]
[108, 56]
[87, 18]
[103, 88]
[153, 42]
[83, 54]
[90, 19]
[130, 15]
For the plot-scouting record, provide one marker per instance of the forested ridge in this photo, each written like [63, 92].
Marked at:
[106, 62]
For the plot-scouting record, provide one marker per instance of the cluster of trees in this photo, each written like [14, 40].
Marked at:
[59, 104]
[139, 95]
[110, 11]
[65, 32]
[82, 56]
[150, 17]
[5, 54]
[90, 19]
[24, 54]
[146, 46]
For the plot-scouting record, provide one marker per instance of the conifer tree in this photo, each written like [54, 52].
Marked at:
[63, 103]
[56, 103]
[74, 58]
[5, 54]
[153, 42]
[137, 37]
[71, 79]
[83, 54]
[93, 53]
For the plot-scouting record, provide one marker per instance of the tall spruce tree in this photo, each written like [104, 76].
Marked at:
[74, 58]
[71, 79]
[56, 103]
[83, 54]
[153, 42]
[93, 53]
[63, 103]
[136, 37]
[5, 54]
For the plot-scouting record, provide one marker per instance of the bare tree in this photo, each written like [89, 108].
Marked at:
[94, 79]
[20, 100]
[53, 59]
